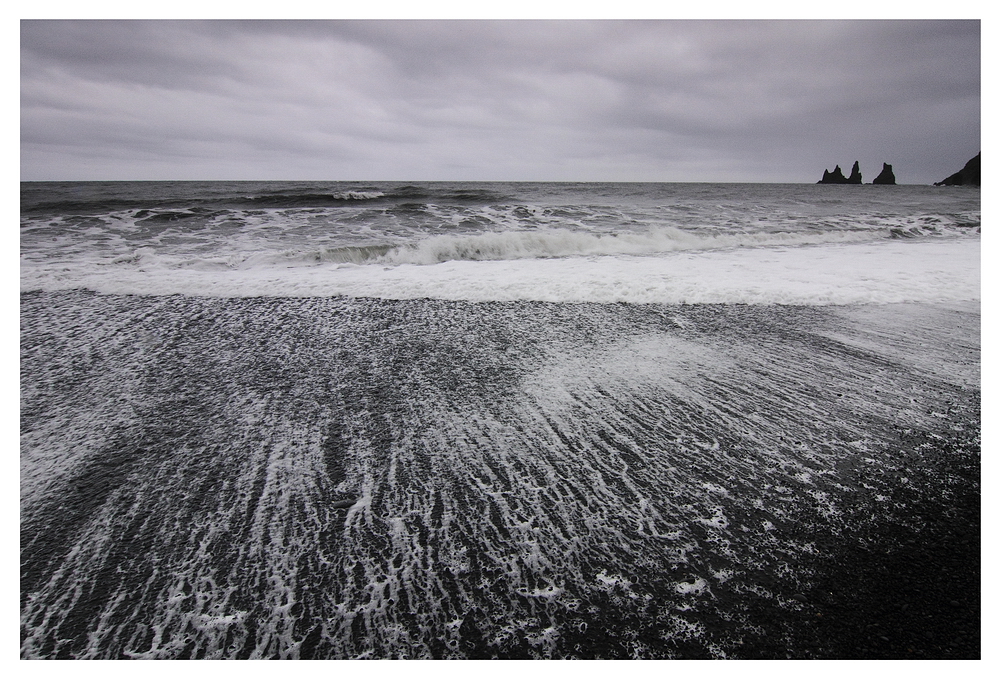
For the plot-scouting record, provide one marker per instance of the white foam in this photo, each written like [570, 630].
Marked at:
[539, 501]
[695, 587]
[887, 271]
[558, 242]
[358, 195]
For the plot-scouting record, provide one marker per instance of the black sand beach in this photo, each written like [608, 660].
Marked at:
[533, 340]
[357, 478]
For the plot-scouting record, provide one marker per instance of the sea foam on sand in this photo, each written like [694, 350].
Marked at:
[882, 272]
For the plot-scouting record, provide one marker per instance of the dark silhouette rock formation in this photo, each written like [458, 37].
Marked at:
[886, 176]
[837, 176]
[855, 177]
[970, 174]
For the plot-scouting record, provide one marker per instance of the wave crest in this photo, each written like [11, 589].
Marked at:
[517, 245]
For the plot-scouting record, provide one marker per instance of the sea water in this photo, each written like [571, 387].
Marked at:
[665, 243]
[468, 420]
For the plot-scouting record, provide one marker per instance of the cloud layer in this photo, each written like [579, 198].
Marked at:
[507, 100]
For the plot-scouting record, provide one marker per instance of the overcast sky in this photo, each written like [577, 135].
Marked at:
[506, 100]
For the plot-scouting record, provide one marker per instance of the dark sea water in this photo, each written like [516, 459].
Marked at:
[470, 420]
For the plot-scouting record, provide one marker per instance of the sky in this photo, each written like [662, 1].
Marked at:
[561, 100]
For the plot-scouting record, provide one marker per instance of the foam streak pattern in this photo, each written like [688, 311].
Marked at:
[361, 478]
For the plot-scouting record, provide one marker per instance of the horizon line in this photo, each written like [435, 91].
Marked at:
[485, 181]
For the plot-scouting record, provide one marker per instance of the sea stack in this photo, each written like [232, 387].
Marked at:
[837, 176]
[855, 177]
[970, 174]
[886, 176]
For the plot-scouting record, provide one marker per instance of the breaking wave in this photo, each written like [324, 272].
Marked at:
[521, 245]
[549, 243]
[309, 199]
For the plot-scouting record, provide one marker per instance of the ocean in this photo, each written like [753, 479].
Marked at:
[356, 420]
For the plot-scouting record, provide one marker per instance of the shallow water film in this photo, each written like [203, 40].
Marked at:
[356, 478]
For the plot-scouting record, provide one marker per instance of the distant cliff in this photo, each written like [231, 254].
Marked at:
[837, 176]
[886, 176]
[970, 174]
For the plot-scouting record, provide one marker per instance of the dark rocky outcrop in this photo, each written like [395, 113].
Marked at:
[970, 174]
[855, 177]
[886, 176]
[837, 176]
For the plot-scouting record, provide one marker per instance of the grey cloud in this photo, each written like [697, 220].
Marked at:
[614, 100]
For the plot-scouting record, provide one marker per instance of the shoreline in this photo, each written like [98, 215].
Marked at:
[531, 480]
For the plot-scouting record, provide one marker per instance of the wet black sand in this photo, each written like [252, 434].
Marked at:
[541, 480]
[903, 586]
